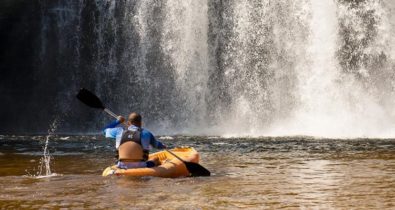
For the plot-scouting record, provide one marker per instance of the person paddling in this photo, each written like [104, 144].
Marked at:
[133, 143]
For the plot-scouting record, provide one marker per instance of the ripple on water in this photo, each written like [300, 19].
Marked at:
[247, 173]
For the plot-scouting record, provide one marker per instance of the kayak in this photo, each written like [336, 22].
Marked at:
[170, 166]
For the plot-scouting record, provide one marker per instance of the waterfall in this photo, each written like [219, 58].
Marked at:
[337, 94]
[320, 109]
[258, 44]
[185, 42]
[211, 67]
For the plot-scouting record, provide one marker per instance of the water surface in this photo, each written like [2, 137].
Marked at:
[255, 173]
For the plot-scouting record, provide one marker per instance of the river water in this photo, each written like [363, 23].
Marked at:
[254, 173]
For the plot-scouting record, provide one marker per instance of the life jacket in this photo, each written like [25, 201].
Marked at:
[134, 136]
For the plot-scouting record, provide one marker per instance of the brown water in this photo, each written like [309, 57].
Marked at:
[259, 173]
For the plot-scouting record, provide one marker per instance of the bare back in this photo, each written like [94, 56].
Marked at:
[130, 151]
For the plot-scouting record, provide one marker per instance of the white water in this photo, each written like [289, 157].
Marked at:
[329, 102]
[247, 68]
[45, 161]
[185, 41]
[322, 110]
[333, 103]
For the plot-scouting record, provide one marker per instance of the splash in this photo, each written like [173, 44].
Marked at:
[45, 161]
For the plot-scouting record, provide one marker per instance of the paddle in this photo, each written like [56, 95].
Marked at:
[193, 168]
[91, 100]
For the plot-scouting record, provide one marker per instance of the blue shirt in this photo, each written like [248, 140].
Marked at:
[147, 139]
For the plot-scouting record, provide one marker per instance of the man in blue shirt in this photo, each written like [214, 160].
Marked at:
[133, 143]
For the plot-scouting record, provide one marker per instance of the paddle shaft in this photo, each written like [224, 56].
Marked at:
[110, 112]
[175, 155]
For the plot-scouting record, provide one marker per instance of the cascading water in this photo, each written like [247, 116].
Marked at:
[185, 41]
[320, 109]
[258, 45]
[306, 67]
[336, 100]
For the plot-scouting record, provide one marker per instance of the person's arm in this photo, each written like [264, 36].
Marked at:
[148, 139]
[113, 124]
[110, 131]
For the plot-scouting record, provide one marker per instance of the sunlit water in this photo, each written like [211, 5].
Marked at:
[258, 173]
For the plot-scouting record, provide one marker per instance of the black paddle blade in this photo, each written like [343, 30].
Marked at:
[196, 169]
[90, 99]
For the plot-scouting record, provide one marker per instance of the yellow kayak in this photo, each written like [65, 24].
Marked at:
[170, 166]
